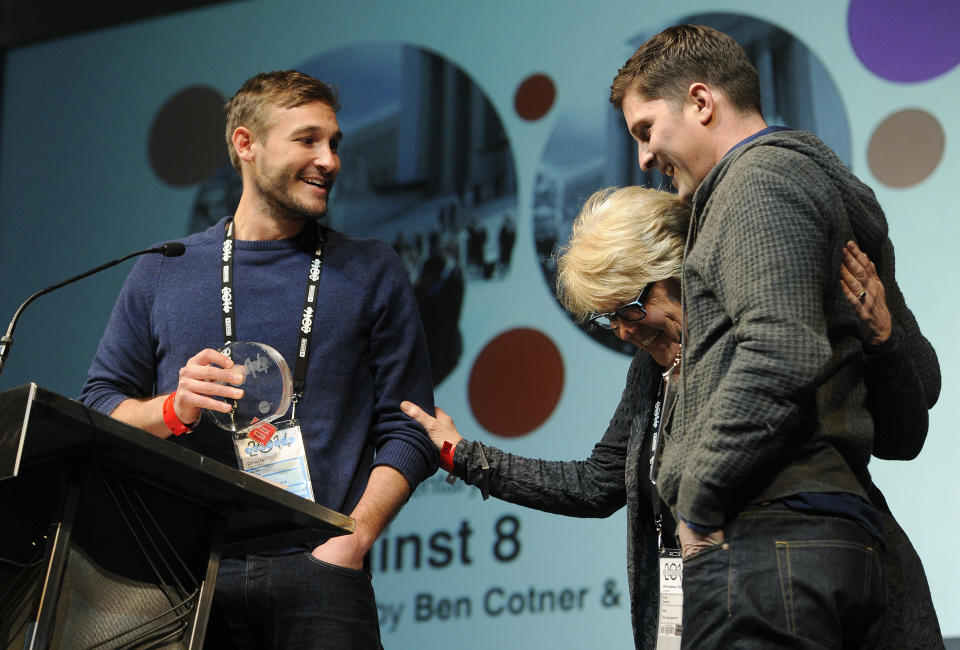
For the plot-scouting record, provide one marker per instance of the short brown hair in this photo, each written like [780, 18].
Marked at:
[623, 239]
[666, 65]
[282, 88]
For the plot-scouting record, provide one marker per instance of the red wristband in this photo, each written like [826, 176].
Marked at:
[446, 456]
[171, 419]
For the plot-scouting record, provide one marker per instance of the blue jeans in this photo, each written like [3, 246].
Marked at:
[292, 601]
[784, 579]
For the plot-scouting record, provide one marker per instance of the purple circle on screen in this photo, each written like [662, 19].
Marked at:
[905, 40]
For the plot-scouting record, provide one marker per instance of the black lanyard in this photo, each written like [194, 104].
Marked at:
[662, 412]
[306, 320]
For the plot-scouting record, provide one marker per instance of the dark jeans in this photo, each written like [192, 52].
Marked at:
[292, 601]
[784, 579]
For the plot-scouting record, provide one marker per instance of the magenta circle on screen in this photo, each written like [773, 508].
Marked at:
[905, 40]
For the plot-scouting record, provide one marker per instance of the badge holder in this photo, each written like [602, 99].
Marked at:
[274, 453]
[670, 617]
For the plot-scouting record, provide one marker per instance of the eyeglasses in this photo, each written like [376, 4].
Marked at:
[630, 312]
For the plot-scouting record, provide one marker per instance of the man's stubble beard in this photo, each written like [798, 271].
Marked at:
[272, 189]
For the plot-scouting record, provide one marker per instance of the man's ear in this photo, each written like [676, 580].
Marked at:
[243, 143]
[703, 99]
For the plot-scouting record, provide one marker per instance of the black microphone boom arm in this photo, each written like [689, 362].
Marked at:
[170, 249]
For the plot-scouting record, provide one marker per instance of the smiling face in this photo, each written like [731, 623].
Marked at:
[295, 163]
[673, 140]
[659, 333]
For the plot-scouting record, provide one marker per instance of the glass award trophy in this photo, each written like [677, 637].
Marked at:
[267, 388]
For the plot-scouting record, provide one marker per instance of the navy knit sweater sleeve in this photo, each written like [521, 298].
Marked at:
[368, 351]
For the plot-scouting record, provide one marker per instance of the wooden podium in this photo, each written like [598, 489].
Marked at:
[111, 537]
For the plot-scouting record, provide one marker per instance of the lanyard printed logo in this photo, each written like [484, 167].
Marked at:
[306, 323]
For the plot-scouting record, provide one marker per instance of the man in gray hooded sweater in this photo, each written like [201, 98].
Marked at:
[766, 460]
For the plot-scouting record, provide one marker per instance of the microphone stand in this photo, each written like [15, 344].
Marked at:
[171, 249]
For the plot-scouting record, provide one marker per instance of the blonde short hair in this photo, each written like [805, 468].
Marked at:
[250, 107]
[622, 239]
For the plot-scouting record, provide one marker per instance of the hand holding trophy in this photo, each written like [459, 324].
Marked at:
[267, 388]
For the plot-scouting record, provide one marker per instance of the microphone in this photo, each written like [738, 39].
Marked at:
[169, 249]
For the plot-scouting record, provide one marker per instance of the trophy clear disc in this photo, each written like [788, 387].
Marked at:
[267, 388]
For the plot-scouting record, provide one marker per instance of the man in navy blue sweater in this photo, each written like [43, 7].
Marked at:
[158, 368]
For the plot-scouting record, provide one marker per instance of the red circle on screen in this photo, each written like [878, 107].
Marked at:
[515, 382]
[534, 97]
